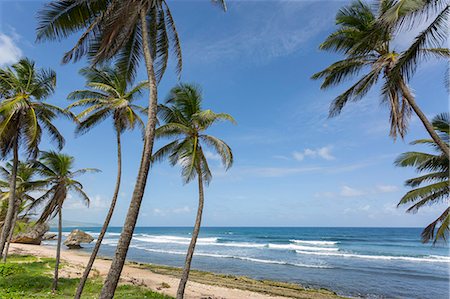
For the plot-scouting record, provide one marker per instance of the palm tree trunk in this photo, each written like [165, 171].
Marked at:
[107, 220]
[11, 231]
[12, 197]
[58, 250]
[112, 279]
[195, 232]
[428, 126]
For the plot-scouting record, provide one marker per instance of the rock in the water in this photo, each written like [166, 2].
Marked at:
[32, 235]
[49, 236]
[76, 237]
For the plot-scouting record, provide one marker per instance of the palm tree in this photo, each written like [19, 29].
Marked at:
[23, 116]
[127, 31]
[186, 122]
[25, 185]
[366, 45]
[110, 95]
[57, 171]
[433, 186]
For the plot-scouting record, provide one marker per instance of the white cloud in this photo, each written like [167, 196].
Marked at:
[347, 191]
[182, 210]
[165, 212]
[386, 188]
[359, 209]
[326, 194]
[323, 152]
[97, 202]
[212, 156]
[298, 156]
[9, 51]
[158, 212]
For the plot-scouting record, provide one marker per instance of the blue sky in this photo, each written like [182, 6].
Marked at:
[293, 166]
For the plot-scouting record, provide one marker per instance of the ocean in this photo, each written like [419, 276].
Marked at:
[356, 262]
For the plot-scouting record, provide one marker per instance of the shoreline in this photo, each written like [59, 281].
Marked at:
[164, 279]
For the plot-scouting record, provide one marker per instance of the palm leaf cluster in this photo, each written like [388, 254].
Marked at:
[367, 48]
[429, 43]
[26, 186]
[108, 95]
[364, 37]
[23, 112]
[185, 121]
[57, 171]
[112, 29]
[432, 187]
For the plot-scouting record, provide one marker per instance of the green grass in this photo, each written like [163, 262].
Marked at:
[30, 277]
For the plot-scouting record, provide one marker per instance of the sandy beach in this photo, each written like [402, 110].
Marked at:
[74, 262]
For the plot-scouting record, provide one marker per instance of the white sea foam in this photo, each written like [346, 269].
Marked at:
[300, 247]
[430, 258]
[321, 243]
[211, 241]
[171, 239]
[244, 258]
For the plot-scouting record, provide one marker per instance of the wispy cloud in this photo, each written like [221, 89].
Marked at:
[323, 152]
[9, 51]
[271, 32]
[386, 188]
[348, 191]
[97, 202]
[212, 156]
[171, 211]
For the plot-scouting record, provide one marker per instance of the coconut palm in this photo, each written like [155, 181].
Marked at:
[25, 186]
[24, 115]
[367, 46]
[109, 95]
[59, 175]
[433, 186]
[127, 31]
[187, 122]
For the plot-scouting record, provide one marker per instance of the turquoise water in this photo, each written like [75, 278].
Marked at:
[366, 262]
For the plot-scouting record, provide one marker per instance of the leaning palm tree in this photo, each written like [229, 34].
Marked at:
[127, 31]
[367, 45]
[57, 171]
[109, 95]
[433, 186]
[187, 122]
[25, 186]
[23, 115]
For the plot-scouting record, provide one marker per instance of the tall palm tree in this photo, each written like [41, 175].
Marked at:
[127, 31]
[433, 186]
[109, 95]
[187, 122]
[25, 186]
[367, 46]
[23, 115]
[59, 175]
